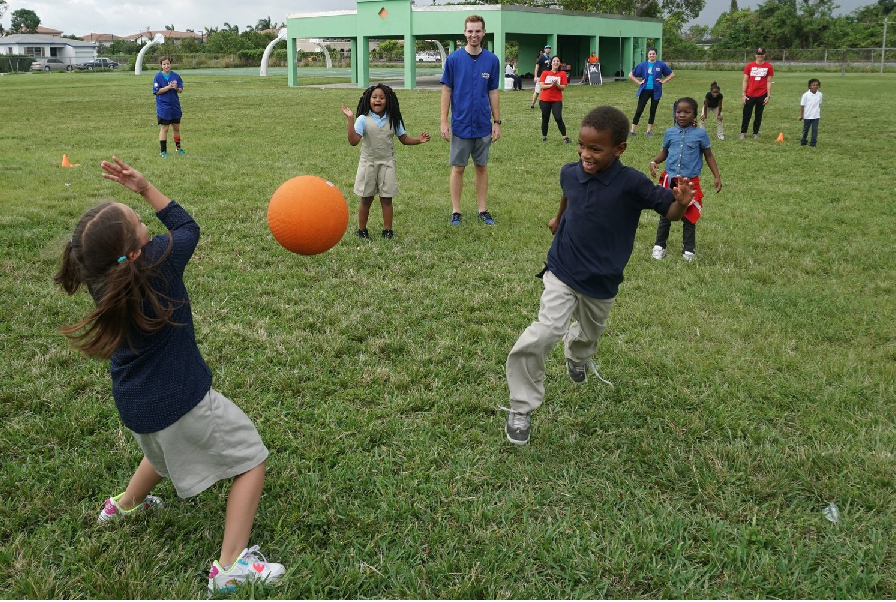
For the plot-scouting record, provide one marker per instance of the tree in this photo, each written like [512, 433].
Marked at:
[169, 27]
[3, 7]
[24, 20]
[264, 24]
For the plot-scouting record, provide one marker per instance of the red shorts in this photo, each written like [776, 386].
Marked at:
[692, 213]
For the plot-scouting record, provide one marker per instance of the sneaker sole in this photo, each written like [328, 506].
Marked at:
[514, 441]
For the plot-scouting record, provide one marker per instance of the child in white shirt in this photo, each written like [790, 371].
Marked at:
[810, 111]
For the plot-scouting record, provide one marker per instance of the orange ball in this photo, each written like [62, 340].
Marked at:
[308, 215]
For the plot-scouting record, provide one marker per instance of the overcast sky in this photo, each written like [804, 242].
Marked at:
[120, 17]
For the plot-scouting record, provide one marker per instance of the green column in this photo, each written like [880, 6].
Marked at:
[363, 61]
[410, 61]
[355, 61]
[292, 74]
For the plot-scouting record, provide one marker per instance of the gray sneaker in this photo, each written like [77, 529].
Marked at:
[517, 427]
[577, 372]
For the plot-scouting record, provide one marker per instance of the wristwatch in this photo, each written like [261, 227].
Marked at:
[497, 122]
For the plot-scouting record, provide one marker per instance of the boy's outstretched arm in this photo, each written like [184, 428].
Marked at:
[353, 137]
[555, 221]
[683, 194]
[711, 161]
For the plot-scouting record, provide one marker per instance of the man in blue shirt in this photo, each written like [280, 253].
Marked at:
[470, 83]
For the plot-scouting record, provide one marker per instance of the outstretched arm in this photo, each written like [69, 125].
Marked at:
[353, 137]
[133, 180]
[410, 140]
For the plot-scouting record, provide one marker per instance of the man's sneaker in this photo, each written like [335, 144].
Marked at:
[544, 138]
[721, 136]
[164, 154]
[363, 234]
[688, 256]
[743, 136]
[388, 234]
[455, 219]
[486, 217]
[181, 151]
[111, 510]
[755, 136]
[658, 252]
[517, 427]
[250, 566]
[577, 372]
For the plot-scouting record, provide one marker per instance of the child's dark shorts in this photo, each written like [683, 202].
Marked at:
[168, 121]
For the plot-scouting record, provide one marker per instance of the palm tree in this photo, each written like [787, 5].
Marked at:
[264, 24]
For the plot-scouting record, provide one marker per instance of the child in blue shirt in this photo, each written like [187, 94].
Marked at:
[379, 120]
[594, 234]
[167, 86]
[684, 148]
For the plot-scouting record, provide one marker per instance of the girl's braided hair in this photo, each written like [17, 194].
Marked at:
[392, 108]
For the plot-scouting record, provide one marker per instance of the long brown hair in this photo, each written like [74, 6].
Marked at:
[103, 236]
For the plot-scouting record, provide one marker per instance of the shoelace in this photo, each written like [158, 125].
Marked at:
[517, 419]
[591, 365]
[253, 553]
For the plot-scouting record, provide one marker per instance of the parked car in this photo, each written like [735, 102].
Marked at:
[428, 57]
[97, 63]
[50, 65]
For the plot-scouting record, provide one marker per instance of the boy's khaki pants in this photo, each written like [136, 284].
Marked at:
[559, 304]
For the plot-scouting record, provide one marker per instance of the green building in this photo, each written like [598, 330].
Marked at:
[620, 41]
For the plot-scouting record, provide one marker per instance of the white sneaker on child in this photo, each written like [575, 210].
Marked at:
[112, 511]
[658, 252]
[251, 565]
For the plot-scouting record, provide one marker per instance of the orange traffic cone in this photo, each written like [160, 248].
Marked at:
[780, 137]
[65, 161]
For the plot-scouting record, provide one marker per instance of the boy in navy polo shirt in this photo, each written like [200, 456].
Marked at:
[594, 234]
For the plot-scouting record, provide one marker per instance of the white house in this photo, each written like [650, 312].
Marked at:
[69, 51]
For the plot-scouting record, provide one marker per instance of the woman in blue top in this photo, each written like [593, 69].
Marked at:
[649, 77]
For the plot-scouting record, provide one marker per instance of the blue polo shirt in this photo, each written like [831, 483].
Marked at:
[470, 81]
[596, 234]
[685, 146]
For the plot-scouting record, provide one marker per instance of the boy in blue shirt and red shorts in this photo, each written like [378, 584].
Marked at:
[594, 234]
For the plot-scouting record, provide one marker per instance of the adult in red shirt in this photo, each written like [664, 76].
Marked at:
[757, 89]
[553, 82]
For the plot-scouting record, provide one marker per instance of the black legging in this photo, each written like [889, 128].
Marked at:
[757, 102]
[642, 101]
[556, 108]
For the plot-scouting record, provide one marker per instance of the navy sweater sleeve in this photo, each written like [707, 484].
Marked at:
[156, 379]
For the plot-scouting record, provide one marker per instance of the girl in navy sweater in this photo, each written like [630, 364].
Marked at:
[188, 432]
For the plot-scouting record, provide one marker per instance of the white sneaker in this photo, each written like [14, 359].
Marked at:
[721, 136]
[112, 511]
[658, 252]
[688, 256]
[250, 566]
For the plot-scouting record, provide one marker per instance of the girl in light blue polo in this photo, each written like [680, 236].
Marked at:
[684, 148]
[649, 77]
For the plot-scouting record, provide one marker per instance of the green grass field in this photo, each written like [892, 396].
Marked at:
[753, 386]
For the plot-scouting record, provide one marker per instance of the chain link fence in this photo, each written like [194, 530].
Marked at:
[845, 60]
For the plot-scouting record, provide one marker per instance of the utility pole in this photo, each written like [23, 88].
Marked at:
[883, 47]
